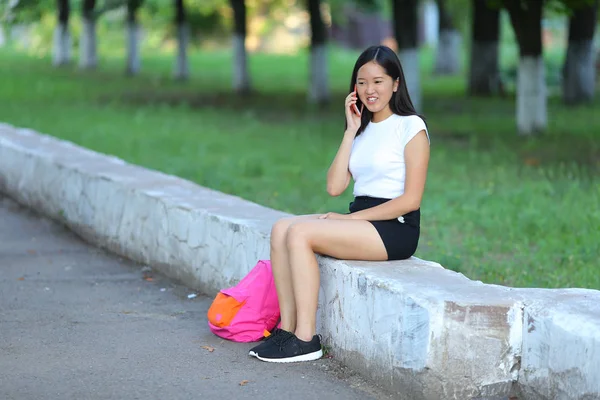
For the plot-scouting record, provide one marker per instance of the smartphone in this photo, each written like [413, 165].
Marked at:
[354, 107]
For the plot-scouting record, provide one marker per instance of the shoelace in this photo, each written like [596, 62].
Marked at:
[275, 333]
[282, 339]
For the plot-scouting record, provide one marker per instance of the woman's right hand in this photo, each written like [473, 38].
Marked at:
[352, 119]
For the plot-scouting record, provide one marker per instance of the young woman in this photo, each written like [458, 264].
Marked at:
[385, 149]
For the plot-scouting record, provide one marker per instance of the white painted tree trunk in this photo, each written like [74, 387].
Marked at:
[21, 34]
[2, 36]
[88, 57]
[241, 79]
[181, 62]
[579, 75]
[319, 83]
[133, 48]
[447, 61]
[532, 115]
[410, 64]
[61, 50]
[429, 17]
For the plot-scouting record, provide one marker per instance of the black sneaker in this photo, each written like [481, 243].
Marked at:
[291, 349]
[274, 335]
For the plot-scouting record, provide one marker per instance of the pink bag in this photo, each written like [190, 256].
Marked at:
[249, 310]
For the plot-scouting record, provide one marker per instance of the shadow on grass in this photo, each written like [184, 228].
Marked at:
[279, 107]
[459, 121]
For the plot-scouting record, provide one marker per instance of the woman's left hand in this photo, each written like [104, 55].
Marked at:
[332, 215]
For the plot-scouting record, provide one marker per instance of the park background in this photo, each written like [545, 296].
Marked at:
[503, 204]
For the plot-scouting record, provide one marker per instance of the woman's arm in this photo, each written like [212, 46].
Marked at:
[416, 156]
[338, 176]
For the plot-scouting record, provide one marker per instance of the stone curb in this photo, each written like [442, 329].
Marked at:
[418, 329]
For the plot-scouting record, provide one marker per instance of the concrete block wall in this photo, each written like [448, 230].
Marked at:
[421, 330]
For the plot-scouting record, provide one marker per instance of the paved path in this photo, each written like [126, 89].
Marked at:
[78, 323]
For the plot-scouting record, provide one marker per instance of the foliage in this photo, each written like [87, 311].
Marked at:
[497, 208]
[32, 10]
[566, 7]
[369, 6]
[212, 17]
[19, 11]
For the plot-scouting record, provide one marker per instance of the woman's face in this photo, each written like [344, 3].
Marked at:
[374, 86]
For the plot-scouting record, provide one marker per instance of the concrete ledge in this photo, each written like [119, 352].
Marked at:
[561, 345]
[418, 329]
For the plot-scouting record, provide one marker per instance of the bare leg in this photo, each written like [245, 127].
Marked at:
[343, 239]
[281, 270]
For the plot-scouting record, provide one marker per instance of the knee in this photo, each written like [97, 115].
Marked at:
[297, 235]
[279, 232]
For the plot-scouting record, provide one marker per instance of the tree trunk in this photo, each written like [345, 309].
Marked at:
[319, 85]
[133, 38]
[183, 38]
[484, 74]
[61, 50]
[88, 58]
[405, 32]
[531, 83]
[241, 79]
[579, 70]
[447, 61]
[2, 36]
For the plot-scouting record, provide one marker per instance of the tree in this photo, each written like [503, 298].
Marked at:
[447, 61]
[183, 38]
[25, 11]
[484, 74]
[241, 79]
[579, 72]
[88, 57]
[405, 32]
[133, 37]
[319, 86]
[61, 52]
[526, 19]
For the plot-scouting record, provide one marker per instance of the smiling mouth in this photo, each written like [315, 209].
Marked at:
[371, 100]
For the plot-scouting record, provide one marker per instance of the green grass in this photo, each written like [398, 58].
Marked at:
[498, 207]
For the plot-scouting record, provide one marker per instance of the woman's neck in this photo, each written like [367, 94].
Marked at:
[382, 114]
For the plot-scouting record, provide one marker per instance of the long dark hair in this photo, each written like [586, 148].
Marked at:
[400, 103]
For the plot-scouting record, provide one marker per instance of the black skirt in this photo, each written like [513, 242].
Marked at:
[399, 238]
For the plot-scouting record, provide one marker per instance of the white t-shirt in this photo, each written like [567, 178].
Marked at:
[377, 158]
